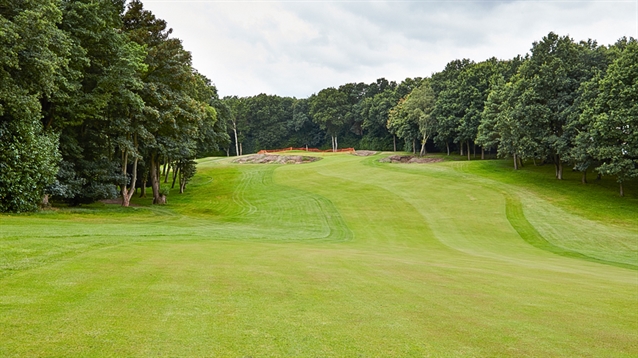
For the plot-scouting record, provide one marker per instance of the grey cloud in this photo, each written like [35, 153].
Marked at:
[299, 48]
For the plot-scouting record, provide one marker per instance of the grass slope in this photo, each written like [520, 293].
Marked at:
[341, 257]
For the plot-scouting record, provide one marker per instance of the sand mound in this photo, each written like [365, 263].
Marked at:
[364, 153]
[275, 159]
[409, 159]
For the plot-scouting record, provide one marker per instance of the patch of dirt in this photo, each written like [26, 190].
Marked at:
[364, 153]
[409, 159]
[275, 159]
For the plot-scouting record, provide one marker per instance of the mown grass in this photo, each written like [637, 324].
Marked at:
[341, 257]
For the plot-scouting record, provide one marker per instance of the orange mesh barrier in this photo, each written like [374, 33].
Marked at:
[266, 151]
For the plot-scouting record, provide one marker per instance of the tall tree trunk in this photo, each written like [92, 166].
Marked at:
[181, 182]
[461, 148]
[622, 192]
[423, 141]
[167, 171]
[447, 145]
[394, 142]
[515, 162]
[559, 168]
[241, 149]
[127, 193]
[557, 165]
[155, 185]
[414, 146]
[123, 188]
[175, 174]
[468, 150]
[482, 153]
[236, 142]
[143, 190]
[336, 143]
[228, 152]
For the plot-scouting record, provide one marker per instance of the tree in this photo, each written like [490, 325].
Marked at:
[329, 108]
[403, 125]
[474, 88]
[34, 53]
[611, 118]
[449, 110]
[418, 107]
[547, 87]
[172, 113]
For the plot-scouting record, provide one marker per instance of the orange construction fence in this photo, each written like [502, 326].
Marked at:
[266, 151]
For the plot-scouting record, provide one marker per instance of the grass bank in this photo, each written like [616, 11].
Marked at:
[342, 257]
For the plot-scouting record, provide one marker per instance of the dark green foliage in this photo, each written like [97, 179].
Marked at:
[95, 90]
[610, 118]
[32, 63]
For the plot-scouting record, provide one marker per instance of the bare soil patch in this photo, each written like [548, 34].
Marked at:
[409, 159]
[275, 159]
[364, 153]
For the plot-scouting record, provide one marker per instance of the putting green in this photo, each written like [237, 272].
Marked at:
[341, 257]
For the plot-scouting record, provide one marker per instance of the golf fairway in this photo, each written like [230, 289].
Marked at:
[342, 257]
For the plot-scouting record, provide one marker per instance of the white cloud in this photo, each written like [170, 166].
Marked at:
[299, 48]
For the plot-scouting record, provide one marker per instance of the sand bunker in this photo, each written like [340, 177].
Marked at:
[409, 159]
[275, 159]
[364, 153]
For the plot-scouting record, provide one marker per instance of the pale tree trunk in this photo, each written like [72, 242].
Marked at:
[228, 152]
[241, 149]
[468, 150]
[423, 141]
[181, 182]
[559, 168]
[482, 153]
[447, 145]
[336, 144]
[155, 185]
[515, 162]
[127, 193]
[460, 148]
[167, 171]
[236, 142]
[394, 142]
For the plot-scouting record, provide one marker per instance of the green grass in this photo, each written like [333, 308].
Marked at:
[342, 257]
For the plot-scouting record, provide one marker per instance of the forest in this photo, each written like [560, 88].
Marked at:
[97, 100]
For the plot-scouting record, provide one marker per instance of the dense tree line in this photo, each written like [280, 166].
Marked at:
[354, 114]
[95, 96]
[97, 100]
[566, 103]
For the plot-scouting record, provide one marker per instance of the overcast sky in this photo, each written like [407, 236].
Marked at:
[297, 48]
